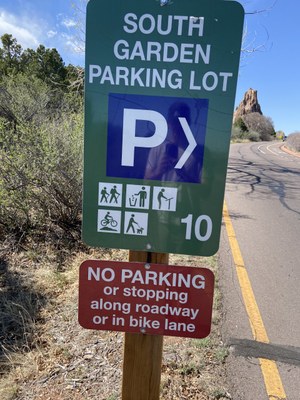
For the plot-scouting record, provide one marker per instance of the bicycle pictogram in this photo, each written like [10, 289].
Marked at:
[108, 220]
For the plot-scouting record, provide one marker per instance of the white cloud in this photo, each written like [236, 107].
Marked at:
[71, 43]
[20, 29]
[51, 34]
[30, 30]
[68, 23]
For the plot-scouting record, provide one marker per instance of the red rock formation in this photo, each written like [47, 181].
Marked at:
[248, 105]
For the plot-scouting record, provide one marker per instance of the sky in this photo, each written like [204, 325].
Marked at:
[270, 57]
[273, 68]
[53, 23]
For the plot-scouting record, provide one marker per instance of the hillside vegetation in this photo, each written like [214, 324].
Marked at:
[41, 125]
[253, 127]
[44, 353]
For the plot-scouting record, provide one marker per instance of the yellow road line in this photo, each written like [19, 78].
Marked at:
[269, 368]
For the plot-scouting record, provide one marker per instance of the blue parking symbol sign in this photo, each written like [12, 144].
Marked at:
[156, 137]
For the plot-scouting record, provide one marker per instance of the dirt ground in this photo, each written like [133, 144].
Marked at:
[45, 354]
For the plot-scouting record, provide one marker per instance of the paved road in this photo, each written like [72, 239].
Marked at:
[263, 200]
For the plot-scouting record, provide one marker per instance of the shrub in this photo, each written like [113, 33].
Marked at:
[237, 135]
[280, 135]
[256, 122]
[253, 136]
[293, 141]
[40, 167]
[240, 124]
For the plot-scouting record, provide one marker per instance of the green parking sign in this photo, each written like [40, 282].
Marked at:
[159, 94]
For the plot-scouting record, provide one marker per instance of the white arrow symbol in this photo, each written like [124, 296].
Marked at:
[192, 143]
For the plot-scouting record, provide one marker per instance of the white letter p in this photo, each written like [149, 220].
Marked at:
[131, 141]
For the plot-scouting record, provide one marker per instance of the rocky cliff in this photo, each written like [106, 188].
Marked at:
[248, 105]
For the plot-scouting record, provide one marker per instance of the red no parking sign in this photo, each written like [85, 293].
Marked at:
[136, 297]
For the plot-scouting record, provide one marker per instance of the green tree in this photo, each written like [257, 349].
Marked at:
[45, 64]
[240, 124]
[48, 66]
[10, 54]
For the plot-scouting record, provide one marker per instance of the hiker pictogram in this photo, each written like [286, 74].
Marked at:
[104, 195]
[114, 195]
[110, 194]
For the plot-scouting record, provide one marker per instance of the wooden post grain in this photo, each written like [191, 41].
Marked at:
[143, 353]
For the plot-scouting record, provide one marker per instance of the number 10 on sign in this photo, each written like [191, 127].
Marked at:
[202, 222]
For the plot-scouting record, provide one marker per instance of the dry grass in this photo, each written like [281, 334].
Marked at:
[45, 354]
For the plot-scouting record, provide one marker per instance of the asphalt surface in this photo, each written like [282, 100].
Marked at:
[263, 200]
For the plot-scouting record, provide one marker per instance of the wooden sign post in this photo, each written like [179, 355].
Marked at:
[143, 353]
[159, 95]
[146, 298]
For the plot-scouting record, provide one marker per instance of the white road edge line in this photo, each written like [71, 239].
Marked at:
[273, 152]
[260, 149]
